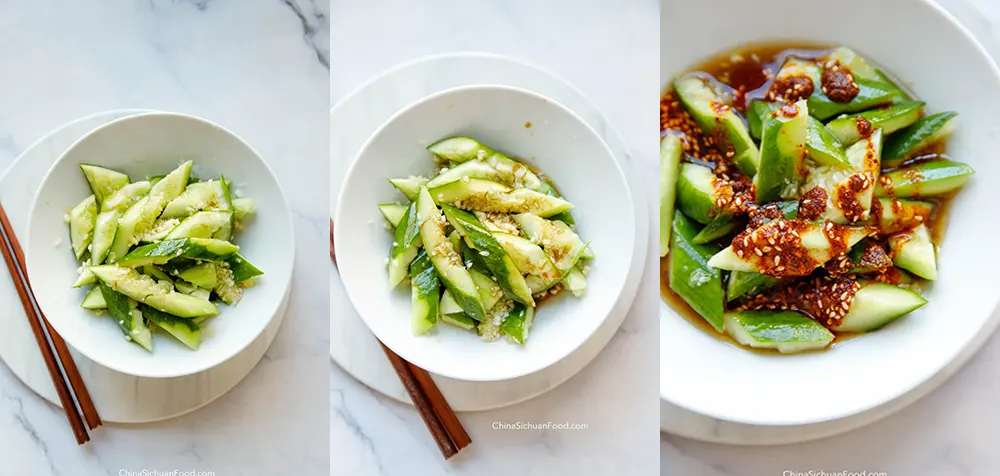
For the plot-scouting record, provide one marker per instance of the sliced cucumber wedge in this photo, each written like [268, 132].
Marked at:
[914, 252]
[494, 256]
[141, 215]
[816, 246]
[698, 192]
[184, 330]
[144, 289]
[242, 269]
[104, 235]
[82, 219]
[925, 179]
[425, 289]
[786, 331]
[923, 133]
[757, 113]
[206, 249]
[202, 275]
[460, 320]
[393, 212]
[94, 299]
[405, 245]
[717, 118]
[242, 207]
[473, 169]
[576, 281]
[459, 149]
[209, 195]
[849, 191]
[529, 257]
[125, 312]
[200, 225]
[103, 182]
[562, 244]
[849, 129]
[409, 187]
[892, 215]
[670, 161]
[783, 153]
[518, 322]
[488, 196]
[877, 304]
[124, 197]
[490, 293]
[691, 276]
[450, 268]
[748, 283]
[823, 148]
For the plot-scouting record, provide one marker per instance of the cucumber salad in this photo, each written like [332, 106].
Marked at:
[483, 241]
[159, 253]
[803, 196]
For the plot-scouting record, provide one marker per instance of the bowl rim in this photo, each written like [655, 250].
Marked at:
[959, 358]
[225, 356]
[605, 151]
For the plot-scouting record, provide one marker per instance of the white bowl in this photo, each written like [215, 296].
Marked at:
[561, 145]
[945, 67]
[141, 146]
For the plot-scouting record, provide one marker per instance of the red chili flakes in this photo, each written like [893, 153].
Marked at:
[874, 258]
[790, 89]
[847, 198]
[674, 117]
[838, 82]
[775, 248]
[812, 205]
[826, 299]
[864, 127]
[787, 111]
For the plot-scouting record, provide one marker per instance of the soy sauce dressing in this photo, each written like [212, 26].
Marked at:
[746, 74]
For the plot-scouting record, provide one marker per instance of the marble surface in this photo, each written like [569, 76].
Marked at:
[259, 67]
[616, 395]
[947, 433]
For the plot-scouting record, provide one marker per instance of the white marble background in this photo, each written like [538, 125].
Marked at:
[609, 50]
[951, 432]
[261, 68]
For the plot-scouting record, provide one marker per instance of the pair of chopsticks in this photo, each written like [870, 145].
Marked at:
[440, 419]
[14, 257]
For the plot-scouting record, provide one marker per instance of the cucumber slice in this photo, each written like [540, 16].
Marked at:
[489, 291]
[144, 289]
[814, 243]
[565, 217]
[892, 215]
[748, 283]
[184, 330]
[473, 169]
[787, 331]
[393, 212]
[872, 93]
[104, 234]
[409, 187]
[159, 230]
[191, 248]
[125, 197]
[691, 276]
[924, 179]
[200, 225]
[714, 115]
[156, 273]
[225, 205]
[849, 129]
[518, 175]
[243, 207]
[405, 245]
[86, 278]
[562, 244]
[202, 275]
[927, 131]
[225, 284]
[528, 257]
[103, 182]
[914, 252]
[487, 196]
[459, 149]
[242, 269]
[425, 288]
[868, 257]
[758, 112]
[448, 304]
[184, 287]
[823, 147]
[782, 154]
[460, 320]
[698, 191]
[196, 197]
[518, 323]
[82, 219]
[94, 299]
[849, 191]
[445, 258]
[141, 215]
[857, 64]
[123, 310]
[670, 161]
[494, 257]
[877, 304]
[576, 282]
[721, 226]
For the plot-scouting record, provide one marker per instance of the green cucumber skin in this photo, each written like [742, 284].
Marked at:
[786, 331]
[758, 112]
[518, 322]
[914, 252]
[721, 226]
[425, 289]
[691, 277]
[103, 182]
[81, 225]
[487, 196]
[890, 119]
[405, 244]
[120, 310]
[242, 269]
[900, 146]
[459, 149]
[202, 275]
[94, 299]
[888, 221]
[877, 304]
[190, 248]
[696, 192]
[129, 282]
[184, 330]
[823, 147]
[925, 179]
[670, 162]
[393, 212]
[203, 224]
[871, 94]
[694, 90]
[782, 156]
[409, 187]
[496, 260]
[748, 283]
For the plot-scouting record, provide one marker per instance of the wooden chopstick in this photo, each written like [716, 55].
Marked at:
[65, 358]
[19, 276]
[440, 419]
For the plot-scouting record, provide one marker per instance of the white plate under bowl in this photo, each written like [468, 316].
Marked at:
[119, 398]
[354, 118]
[709, 377]
[144, 145]
[561, 145]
